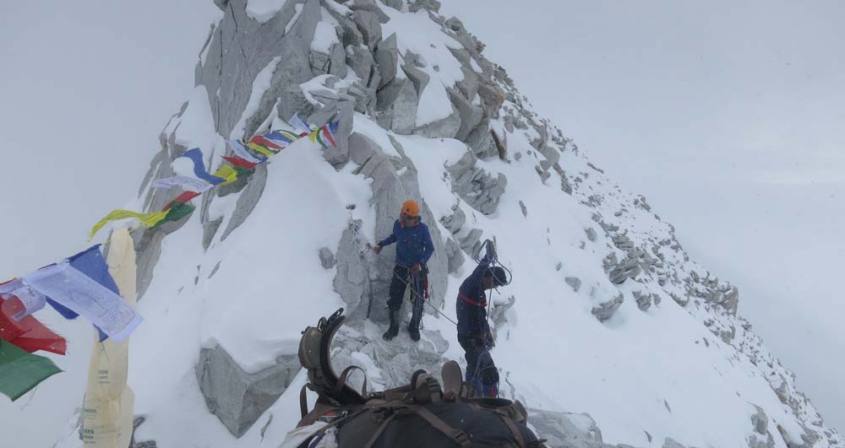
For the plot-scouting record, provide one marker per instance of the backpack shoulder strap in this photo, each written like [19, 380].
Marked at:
[508, 421]
[457, 435]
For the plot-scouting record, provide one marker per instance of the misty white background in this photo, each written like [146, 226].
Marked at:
[727, 116]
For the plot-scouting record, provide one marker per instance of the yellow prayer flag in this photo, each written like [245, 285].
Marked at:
[260, 149]
[227, 173]
[146, 219]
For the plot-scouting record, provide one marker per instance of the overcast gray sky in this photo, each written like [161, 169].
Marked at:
[727, 115]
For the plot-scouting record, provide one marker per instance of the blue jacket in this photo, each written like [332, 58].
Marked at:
[413, 244]
[472, 304]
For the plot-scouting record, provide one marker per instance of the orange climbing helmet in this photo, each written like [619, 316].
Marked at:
[411, 208]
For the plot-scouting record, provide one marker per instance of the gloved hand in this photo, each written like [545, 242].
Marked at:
[416, 268]
[377, 249]
[491, 251]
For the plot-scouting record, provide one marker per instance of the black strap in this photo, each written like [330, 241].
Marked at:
[517, 434]
[341, 382]
[379, 431]
[303, 401]
[457, 435]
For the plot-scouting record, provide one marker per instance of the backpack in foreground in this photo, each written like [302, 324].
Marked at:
[420, 414]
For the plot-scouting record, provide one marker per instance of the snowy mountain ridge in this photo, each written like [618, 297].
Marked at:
[609, 333]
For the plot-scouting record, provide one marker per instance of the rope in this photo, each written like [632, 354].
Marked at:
[415, 293]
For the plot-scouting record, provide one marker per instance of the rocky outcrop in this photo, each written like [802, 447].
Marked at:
[646, 300]
[761, 437]
[238, 397]
[573, 282]
[605, 310]
[566, 430]
[327, 259]
[353, 278]
[474, 185]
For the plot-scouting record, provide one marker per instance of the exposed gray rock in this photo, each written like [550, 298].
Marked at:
[236, 397]
[523, 208]
[591, 234]
[247, 200]
[352, 280]
[498, 314]
[470, 115]
[397, 106]
[619, 271]
[369, 25]
[646, 300]
[387, 58]
[605, 310]
[683, 301]
[475, 186]
[492, 98]
[395, 4]
[671, 443]
[730, 300]
[573, 282]
[454, 255]
[363, 64]
[761, 438]
[471, 242]
[480, 141]
[455, 221]
[431, 5]
[566, 430]
[228, 74]
[622, 241]
[444, 128]
[327, 259]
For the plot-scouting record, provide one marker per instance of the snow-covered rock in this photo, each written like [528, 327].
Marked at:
[425, 115]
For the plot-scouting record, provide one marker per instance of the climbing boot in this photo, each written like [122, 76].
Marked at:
[394, 326]
[414, 332]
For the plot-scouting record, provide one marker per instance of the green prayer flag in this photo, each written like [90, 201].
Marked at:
[177, 211]
[21, 371]
[244, 172]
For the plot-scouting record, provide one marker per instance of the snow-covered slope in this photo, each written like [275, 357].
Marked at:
[606, 315]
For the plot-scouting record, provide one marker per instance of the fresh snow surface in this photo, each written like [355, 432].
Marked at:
[196, 127]
[417, 33]
[263, 10]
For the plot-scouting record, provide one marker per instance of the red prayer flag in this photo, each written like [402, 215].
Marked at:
[29, 334]
[269, 144]
[239, 162]
[182, 198]
[328, 134]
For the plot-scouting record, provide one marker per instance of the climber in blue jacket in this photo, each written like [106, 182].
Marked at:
[413, 250]
[474, 333]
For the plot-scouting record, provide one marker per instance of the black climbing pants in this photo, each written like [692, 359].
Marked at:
[481, 371]
[402, 278]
